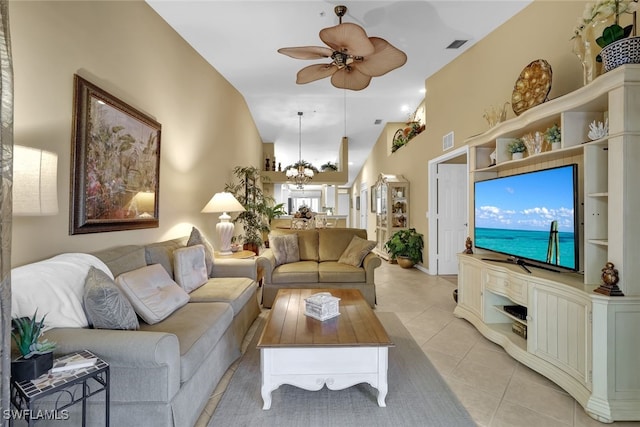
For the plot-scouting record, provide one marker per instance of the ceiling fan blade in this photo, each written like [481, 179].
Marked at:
[386, 58]
[307, 52]
[350, 78]
[315, 72]
[348, 38]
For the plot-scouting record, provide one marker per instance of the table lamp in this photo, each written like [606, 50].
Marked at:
[224, 202]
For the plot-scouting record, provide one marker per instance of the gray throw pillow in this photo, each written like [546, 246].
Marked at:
[189, 267]
[105, 305]
[285, 248]
[356, 251]
[196, 238]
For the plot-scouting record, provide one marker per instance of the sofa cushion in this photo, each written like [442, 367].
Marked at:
[198, 328]
[122, 258]
[162, 253]
[355, 252]
[336, 272]
[105, 305]
[197, 238]
[285, 248]
[153, 294]
[307, 242]
[189, 267]
[333, 241]
[234, 290]
[296, 272]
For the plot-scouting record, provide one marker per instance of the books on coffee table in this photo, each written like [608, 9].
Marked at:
[73, 361]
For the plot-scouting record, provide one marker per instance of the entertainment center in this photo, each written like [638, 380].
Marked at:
[553, 321]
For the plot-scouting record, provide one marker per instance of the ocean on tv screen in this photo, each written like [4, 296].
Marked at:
[528, 244]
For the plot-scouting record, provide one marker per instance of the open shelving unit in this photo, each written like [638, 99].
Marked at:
[586, 342]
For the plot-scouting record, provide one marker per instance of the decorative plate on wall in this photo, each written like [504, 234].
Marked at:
[532, 87]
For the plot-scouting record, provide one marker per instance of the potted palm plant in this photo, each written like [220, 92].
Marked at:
[517, 148]
[36, 355]
[405, 246]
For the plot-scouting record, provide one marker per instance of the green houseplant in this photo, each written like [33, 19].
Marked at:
[258, 206]
[36, 355]
[405, 246]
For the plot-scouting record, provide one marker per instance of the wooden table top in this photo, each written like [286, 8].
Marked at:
[288, 326]
[240, 254]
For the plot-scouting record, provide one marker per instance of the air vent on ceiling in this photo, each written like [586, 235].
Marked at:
[377, 121]
[456, 44]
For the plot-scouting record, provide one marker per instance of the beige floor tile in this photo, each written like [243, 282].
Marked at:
[444, 363]
[497, 359]
[490, 379]
[481, 405]
[540, 398]
[512, 415]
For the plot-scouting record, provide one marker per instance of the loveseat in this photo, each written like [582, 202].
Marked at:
[162, 374]
[317, 264]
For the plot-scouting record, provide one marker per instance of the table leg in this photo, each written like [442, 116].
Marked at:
[265, 368]
[383, 362]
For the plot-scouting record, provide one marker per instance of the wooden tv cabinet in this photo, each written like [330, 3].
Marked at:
[586, 342]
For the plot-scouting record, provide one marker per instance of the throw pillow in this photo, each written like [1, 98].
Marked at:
[285, 248]
[189, 267]
[356, 251]
[196, 238]
[153, 294]
[105, 305]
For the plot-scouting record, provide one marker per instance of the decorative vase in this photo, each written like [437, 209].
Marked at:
[556, 145]
[625, 51]
[592, 49]
[405, 262]
[582, 49]
[517, 156]
[27, 369]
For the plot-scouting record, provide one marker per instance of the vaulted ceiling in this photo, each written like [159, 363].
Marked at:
[241, 38]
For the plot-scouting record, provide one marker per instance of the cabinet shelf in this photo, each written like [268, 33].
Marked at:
[603, 194]
[500, 309]
[392, 209]
[600, 242]
[504, 329]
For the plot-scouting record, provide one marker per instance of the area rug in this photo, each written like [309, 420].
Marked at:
[418, 396]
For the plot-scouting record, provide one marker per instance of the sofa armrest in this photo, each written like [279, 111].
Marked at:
[233, 267]
[370, 263]
[267, 261]
[131, 351]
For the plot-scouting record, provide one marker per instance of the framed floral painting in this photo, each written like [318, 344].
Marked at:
[115, 164]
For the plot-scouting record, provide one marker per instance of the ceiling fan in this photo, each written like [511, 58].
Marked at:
[356, 58]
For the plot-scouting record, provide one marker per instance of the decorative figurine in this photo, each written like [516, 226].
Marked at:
[273, 164]
[610, 280]
[468, 244]
[267, 164]
[279, 167]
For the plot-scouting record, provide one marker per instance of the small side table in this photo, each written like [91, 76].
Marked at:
[73, 386]
[238, 255]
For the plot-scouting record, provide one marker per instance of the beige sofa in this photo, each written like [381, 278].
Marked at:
[320, 250]
[163, 374]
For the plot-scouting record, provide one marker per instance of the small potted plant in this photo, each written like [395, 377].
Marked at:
[36, 356]
[553, 136]
[517, 148]
[329, 167]
[405, 246]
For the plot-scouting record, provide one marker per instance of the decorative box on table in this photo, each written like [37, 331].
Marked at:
[322, 306]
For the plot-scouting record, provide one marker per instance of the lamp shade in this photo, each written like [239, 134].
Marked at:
[223, 202]
[35, 181]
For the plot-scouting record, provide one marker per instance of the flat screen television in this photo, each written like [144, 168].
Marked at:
[530, 217]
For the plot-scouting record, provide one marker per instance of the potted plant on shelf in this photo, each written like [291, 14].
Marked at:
[553, 136]
[249, 193]
[517, 148]
[36, 355]
[328, 167]
[405, 246]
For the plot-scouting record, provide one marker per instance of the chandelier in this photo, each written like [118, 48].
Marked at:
[300, 173]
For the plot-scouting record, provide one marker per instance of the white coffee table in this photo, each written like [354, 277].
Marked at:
[346, 350]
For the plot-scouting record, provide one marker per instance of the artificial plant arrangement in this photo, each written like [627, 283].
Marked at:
[553, 135]
[602, 10]
[26, 333]
[255, 219]
[516, 146]
[304, 164]
[329, 166]
[405, 246]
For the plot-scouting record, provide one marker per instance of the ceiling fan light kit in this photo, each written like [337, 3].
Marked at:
[356, 58]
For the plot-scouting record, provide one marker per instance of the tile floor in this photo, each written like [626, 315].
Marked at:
[488, 382]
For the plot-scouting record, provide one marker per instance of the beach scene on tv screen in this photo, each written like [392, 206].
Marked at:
[513, 215]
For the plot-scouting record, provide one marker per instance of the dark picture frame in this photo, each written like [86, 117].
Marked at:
[357, 203]
[372, 196]
[115, 165]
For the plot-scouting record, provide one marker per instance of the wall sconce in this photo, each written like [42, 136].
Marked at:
[224, 202]
[35, 182]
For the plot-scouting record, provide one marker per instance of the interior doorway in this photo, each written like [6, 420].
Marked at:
[448, 210]
[364, 205]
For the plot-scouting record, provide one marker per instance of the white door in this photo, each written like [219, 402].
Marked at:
[451, 215]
